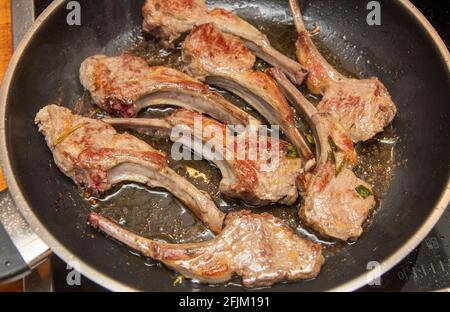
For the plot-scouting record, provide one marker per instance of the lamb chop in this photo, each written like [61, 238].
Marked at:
[125, 84]
[259, 170]
[336, 202]
[95, 156]
[261, 249]
[223, 60]
[362, 106]
[168, 20]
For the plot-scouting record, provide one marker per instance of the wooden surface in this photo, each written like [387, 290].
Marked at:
[5, 51]
[12, 287]
[5, 55]
[5, 35]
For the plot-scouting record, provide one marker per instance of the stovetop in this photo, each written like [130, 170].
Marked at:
[427, 268]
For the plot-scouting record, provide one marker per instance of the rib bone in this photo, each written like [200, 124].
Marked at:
[93, 155]
[167, 20]
[332, 204]
[223, 60]
[259, 248]
[245, 170]
[125, 84]
[363, 107]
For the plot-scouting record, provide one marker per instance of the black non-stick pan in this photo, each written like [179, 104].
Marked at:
[404, 52]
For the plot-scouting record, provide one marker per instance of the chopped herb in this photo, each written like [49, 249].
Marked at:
[180, 18]
[178, 280]
[388, 140]
[333, 145]
[291, 152]
[340, 167]
[332, 156]
[315, 30]
[363, 191]
[67, 133]
[310, 138]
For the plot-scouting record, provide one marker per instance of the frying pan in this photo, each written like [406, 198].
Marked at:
[404, 52]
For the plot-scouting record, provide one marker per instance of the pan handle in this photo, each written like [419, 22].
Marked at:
[12, 265]
[21, 249]
[23, 15]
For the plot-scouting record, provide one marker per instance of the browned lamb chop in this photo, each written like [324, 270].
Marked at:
[336, 202]
[125, 84]
[223, 60]
[259, 248]
[95, 156]
[362, 106]
[167, 20]
[259, 170]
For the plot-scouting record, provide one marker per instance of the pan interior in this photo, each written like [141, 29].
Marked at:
[399, 52]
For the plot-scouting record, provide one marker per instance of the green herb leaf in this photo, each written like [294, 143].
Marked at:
[363, 191]
[178, 280]
[291, 152]
[310, 138]
[333, 145]
[340, 167]
[67, 133]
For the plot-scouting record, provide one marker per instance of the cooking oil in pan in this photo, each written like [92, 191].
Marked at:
[156, 213]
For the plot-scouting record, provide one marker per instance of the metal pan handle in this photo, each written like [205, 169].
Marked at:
[21, 250]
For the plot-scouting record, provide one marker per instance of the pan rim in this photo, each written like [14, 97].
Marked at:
[112, 284]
